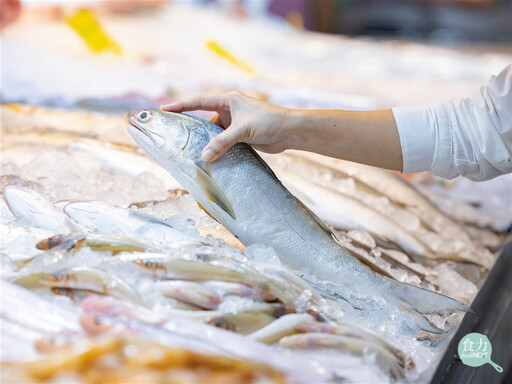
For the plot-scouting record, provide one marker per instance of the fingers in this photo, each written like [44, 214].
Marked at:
[217, 121]
[205, 102]
[220, 145]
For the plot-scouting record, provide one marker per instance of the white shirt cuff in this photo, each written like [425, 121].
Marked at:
[425, 138]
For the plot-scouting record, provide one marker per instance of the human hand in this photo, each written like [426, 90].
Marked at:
[10, 10]
[245, 119]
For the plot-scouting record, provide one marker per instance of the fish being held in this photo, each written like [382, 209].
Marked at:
[241, 192]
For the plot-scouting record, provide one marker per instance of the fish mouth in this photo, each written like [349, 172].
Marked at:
[140, 129]
[157, 140]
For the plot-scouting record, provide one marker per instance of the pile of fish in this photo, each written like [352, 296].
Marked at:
[111, 269]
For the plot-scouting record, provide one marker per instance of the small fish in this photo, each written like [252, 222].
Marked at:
[103, 218]
[242, 323]
[76, 295]
[284, 326]
[191, 293]
[66, 248]
[192, 335]
[92, 279]
[201, 271]
[354, 345]
[223, 289]
[98, 242]
[352, 330]
[241, 192]
[26, 308]
[35, 210]
[399, 191]
[347, 213]
[100, 217]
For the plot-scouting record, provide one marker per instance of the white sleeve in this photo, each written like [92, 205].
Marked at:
[468, 137]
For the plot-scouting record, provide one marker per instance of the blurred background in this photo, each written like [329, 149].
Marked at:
[117, 55]
[70, 71]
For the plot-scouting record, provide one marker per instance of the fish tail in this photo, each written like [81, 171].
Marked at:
[419, 301]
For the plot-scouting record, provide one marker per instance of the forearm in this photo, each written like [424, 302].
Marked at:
[368, 137]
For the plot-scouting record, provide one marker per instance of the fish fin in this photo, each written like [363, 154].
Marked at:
[263, 163]
[425, 301]
[324, 292]
[365, 261]
[320, 223]
[212, 190]
[419, 301]
[298, 193]
[422, 321]
[301, 197]
[372, 266]
[148, 218]
[208, 213]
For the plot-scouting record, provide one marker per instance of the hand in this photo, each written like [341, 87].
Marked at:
[245, 119]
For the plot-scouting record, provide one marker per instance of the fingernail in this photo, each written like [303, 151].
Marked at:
[207, 155]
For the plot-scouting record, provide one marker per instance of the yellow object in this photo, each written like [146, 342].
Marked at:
[14, 107]
[85, 23]
[295, 19]
[222, 52]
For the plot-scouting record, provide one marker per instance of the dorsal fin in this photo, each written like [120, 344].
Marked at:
[320, 223]
[262, 162]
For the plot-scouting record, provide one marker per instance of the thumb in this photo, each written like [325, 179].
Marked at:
[219, 145]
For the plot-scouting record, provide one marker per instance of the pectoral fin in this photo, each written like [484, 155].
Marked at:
[208, 213]
[213, 192]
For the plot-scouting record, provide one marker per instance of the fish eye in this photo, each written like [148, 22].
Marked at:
[144, 116]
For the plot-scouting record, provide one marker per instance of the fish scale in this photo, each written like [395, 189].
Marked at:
[241, 192]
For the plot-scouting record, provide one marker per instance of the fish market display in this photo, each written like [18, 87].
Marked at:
[129, 358]
[123, 262]
[241, 192]
[111, 272]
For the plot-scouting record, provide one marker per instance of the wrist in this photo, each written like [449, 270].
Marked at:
[294, 128]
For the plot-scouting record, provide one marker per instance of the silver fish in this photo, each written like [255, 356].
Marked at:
[33, 209]
[347, 213]
[92, 279]
[97, 242]
[99, 217]
[397, 190]
[177, 332]
[241, 192]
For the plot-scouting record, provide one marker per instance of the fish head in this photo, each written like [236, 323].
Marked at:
[171, 139]
[176, 141]
[151, 265]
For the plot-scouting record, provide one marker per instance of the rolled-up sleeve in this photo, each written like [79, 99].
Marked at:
[468, 137]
